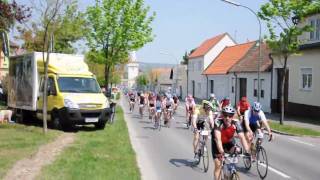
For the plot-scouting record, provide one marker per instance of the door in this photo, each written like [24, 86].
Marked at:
[52, 93]
[242, 87]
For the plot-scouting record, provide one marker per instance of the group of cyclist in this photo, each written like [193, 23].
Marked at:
[212, 115]
[219, 117]
[162, 104]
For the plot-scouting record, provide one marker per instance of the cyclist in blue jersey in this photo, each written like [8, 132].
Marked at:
[254, 118]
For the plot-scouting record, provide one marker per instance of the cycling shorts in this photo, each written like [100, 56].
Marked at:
[226, 147]
[132, 100]
[253, 127]
[151, 105]
[200, 125]
[168, 106]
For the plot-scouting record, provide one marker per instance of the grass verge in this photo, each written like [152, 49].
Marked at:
[293, 129]
[19, 141]
[104, 154]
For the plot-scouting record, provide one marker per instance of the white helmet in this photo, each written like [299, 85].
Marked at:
[228, 109]
[256, 106]
[212, 95]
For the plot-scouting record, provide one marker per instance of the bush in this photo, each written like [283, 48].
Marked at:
[118, 96]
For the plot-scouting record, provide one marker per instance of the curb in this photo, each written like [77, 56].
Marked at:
[283, 133]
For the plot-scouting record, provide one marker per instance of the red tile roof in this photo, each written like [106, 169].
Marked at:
[227, 58]
[206, 46]
[250, 62]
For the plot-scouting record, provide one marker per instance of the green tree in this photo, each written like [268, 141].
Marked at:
[286, 16]
[69, 27]
[116, 27]
[142, 81]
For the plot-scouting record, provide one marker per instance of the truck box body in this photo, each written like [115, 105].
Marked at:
[74, 96]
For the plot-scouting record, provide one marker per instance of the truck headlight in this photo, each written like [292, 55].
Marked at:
[70, 104]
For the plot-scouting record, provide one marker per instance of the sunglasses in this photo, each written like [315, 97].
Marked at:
[228, 115]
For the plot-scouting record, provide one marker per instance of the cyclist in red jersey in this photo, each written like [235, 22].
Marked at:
[223, 137]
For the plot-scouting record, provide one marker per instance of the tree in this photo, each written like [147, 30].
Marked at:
[142, 81]
[49, 15]
[12, 12]
[69, 28]
[186, 55]
[116, 27]
[283, 15]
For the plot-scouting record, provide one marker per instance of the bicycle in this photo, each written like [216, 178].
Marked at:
[168, 116]
[152, 113]
[260, 153]
[141, 108]
[157, 120]
[189, 118]
[228, 167]
[131, 105]
[203, 152]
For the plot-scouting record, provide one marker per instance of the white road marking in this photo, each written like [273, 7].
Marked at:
[301, 142]
[276, 171]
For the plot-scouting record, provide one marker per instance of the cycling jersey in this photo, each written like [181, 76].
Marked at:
[243, 105]
[190, 103]
[215, 105]
[202, 119]
[253, 118]
[158, 105]
[132, 97]
[225, 102]
[175, 99]
[227, 133]
[142, 99]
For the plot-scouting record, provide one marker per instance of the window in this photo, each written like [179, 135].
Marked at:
[306, 76]
[312, 24]
[315, 34]
[199, 66]
[262, 84]
[255, 87]
[233, 84]
[211, 86]
[199, 88]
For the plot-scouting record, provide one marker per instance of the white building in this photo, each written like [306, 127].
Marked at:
[302, 92]
[131, 71]
[200, 59]
[180, 80]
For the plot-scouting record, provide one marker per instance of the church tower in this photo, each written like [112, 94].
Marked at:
[133, 69]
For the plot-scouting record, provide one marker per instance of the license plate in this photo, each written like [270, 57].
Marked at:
[204, 133]
[90, 120]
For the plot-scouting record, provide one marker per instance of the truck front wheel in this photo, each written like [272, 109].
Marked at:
[100, 125]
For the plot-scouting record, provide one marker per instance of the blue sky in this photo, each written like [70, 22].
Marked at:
[181, 25]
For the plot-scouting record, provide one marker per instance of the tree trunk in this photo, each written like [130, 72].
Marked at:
[284, 74]
[107, 76]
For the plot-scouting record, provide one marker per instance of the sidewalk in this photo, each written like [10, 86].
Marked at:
[313, 124]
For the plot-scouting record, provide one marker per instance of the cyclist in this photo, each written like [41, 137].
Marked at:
[225, 102]
[201, 120]
[223, 138]
[168, 108]
[158, 105]
[215, 105]
[132, 100]
[242, 106]
[176, 102]
[142, 103]
[190, 107]
[253, 119]
[151, 102]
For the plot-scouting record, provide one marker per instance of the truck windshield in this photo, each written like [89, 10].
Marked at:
[78, 85]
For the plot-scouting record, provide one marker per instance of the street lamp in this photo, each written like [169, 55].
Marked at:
[259, 60]
[177, 62]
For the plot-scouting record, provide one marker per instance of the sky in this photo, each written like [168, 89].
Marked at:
[182, 25]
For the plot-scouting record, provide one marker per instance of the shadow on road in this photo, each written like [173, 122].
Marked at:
[148, 127]
[145, 122]
[183, 128]
[182, 162]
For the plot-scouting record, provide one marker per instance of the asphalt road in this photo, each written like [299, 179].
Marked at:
[168, 154]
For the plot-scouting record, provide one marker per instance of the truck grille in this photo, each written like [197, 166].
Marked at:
[90, 115]
[90, 106]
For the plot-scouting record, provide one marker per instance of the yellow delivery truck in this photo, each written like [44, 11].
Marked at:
[74, 96]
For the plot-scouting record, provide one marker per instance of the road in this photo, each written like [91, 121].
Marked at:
[168, 154]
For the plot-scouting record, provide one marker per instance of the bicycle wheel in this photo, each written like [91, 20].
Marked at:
[247, 162]
[262, 162]
[205, 158]
[235, 176]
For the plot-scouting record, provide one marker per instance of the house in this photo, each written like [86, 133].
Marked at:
[4, 63]
[245, 77]
[302, 88]
[180, 80]
[162, 79]
[218, 78]
[200, 59]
